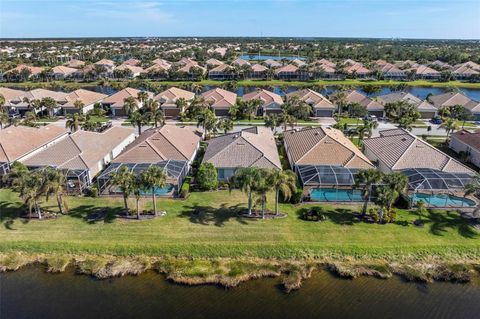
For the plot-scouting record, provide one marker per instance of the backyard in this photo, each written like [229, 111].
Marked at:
[207, 225]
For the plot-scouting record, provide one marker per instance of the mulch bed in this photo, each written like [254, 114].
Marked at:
[144, 216]
[45, 216]
[267, 215]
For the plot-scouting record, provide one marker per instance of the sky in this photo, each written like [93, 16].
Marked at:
[440, 19]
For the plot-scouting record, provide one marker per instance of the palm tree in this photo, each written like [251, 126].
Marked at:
[138, 119]
[158, 117]
[284, 182]
[139, 186]
[151, 105]
[196, 88]
[262, 187]
[29, 186]
[450, 126]
[53, 184]
[272, 122]
[367, 178]
[206, 118]
[340, 99]
[225, 125]
[3, 119]
[152, 178]
[181, 104]
[79, 105]
[30, 119]
[74, 122]
[386, 197]
[473, 188]
[124, 179]
[393, 186]
[49, 104]
[130, 105]
[246, 180]
[142, 96]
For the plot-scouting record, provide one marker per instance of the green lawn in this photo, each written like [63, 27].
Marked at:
[218, 231]
[349, 121]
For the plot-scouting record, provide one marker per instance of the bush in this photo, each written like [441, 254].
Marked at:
[374, 214]
[207, 177]
[185, 190]
[93, 191]
[297, 197]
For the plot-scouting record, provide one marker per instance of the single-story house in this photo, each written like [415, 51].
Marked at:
[373, 107]
[426, 109]
[326, 162]
[271, 102]
[251, 147]
[169, 98]
[221, 72]
[468, 143]
[109, 65]
[272, 63]
[11, 97]
[220, 100]
[133, 70]
[17, 72]
[291, 72]
[425, 72]
[18, 143]
[116, 101]
[82, 155]
[240, 62]
[23, 103]
[456, 98]
[433, 177]
[258, 72]
[132, 62]
[170, 147]
[356, 69]
[64, 72]
[321, 106]
[74, 63]
[87, 97]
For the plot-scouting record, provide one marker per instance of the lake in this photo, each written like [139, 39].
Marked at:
[256, 57]
[32, 293]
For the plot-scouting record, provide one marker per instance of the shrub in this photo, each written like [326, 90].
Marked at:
[297, 197]
[374, 214]
[185, 190]
[207, 177]
[93, 191]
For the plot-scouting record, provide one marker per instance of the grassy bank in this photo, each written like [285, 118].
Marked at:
[261, 83]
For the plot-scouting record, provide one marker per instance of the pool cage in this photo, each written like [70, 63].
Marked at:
[329, 183]
[175, 170]
[77, 181]
[437, 188]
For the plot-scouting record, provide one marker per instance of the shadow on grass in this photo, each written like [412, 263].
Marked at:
[440, 222]
[340, 216]
[9, 212]
[206, 215]
[94, 214]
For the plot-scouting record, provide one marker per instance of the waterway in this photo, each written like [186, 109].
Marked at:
[32, 293]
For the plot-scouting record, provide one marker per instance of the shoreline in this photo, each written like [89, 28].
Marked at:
[230, 272]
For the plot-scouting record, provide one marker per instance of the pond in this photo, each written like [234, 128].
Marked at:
[32, 293]
[260, 57]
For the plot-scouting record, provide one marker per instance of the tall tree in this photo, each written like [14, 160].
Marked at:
[366, 179]
[284, 182]
[246, 180]
[154, 177]
[225, 125]
[139, 120]
[124, 179]
[130, 105]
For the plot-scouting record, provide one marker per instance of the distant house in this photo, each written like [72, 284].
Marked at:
[426, 109]
[107, 65]
[456, 98]
[291, 72]
[356, 69]
[271, 102]
[373, 107]
[190, 71]
[82, 155]
[158, 71]
[213, 63]
[116, 101]
[251, 147]
[326, 162]
[24, 103]
[258, 72]
[322, 70]
[169, 147]
[17, 73]
[240, 62]
[168, 100]
[425, 72]
[321, 106]
[468, 143]
[74, 63]
[132, 62]
[221, 72]
[18, 143]
[220, 100]
[64, 72]
[464, 72]
[131, 71]
[389, 70]
[86, 97]
[272, 63]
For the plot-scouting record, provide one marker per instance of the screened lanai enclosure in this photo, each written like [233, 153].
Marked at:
[175, 170]
[329, 183]
[438, 189]
[77, 181]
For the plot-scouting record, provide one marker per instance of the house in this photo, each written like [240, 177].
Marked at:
[163, 63]
[299, 62]
[326, 163]
[168, 100]
[221, 73]
[63, 72]
[373, 107]
[426, 109]
[23, 72]
[251, 147]
[240, 62]
[322, 71]
[291, 72]
[18, 143]
[158, 71]
[74, 63]
[468, 143]
[109, 65]
[11, 95]
[82, 155]
[321, 106]
[258, 72]
[389, 70]
[464, 72]
[456, 98]
[25, 102]
[271, 102]
[425, 72]
[212, 63]
[272, 63]
[127, 71]
[87, 99]
[220, 100]
[132, 62]
[116, 101]
[170, 147]
[433, 177]
[356, 69]
[190, 71]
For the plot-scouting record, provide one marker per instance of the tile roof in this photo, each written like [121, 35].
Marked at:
[33, 69]
[472, 139]
[312, 98]
[214, 62]
[117, 100]
[357, 97]
[74, 63]
[267, 97]
[220, 98]
[405, 96]
[323, 146]
[449, 99]
[398, 149]
[171, 95]
[133, 62]
[240, 62]
[287, 68]
[252, 147]
[169, 142]
[134, 69]
[78, 152]
[59, 69]
[272, 63]
[105, 62]
[86, 96]
[259, 68]
[18, 141]
[11, 94]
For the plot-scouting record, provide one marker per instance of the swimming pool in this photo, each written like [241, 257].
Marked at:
[442, 200]
[335, 195]
[160, 191]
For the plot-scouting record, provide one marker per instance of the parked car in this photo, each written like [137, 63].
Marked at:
[436, 120]
[370, 118]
